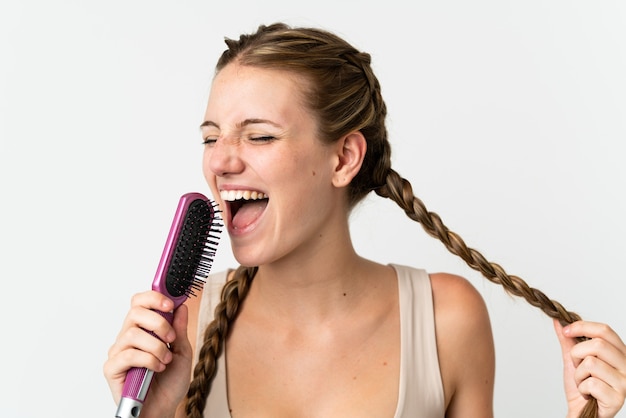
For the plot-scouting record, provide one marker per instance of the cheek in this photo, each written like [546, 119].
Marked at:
[205, 166]
[300, 175]
[209, 176]
[311, 164]
[309, 181]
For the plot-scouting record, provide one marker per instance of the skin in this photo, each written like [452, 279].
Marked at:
[296, 311]
[596, 367]
[314, 299]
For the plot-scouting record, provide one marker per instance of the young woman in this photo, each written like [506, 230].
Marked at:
[295, 137]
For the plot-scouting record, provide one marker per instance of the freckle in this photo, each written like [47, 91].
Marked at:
[384, 363]
[345, 294]
[354, 378]
[314, 173]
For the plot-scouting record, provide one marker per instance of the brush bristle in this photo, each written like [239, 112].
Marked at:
[195, 249]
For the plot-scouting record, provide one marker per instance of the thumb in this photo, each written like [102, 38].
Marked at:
[566, 342]
[179, 324]
[569, 368]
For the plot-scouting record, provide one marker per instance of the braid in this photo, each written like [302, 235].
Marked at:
[400, 191]
[233, 293]
[345, 95]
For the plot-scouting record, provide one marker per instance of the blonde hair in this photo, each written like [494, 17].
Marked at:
[345, 95]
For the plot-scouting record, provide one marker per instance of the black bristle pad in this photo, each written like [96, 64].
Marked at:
[195, 249]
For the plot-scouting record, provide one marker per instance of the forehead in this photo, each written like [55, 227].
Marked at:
[245, 91]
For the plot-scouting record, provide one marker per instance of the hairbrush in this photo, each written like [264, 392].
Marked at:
[185, 264]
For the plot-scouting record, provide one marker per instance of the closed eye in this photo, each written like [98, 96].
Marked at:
[264, 138]
[258, 139]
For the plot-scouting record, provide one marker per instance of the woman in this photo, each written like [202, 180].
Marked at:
[295, 137]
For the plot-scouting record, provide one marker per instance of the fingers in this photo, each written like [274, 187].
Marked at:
[142, 314]
[134, 346]
[600, 371]
[592, 371]
[118, 364]
[595, 330]
[147, 340]
[142, 317]
[600, 363]
[152, 300]
[139, 339]
[609, 400]
[604, 344]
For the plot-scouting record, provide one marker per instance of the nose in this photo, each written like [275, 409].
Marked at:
[223, 157]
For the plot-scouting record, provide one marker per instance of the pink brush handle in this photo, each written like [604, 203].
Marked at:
[138, 380]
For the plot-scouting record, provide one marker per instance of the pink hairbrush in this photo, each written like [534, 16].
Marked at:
[184, 265]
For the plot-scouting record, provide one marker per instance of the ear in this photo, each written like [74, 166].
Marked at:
[350, 152]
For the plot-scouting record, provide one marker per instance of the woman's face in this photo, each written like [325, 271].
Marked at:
[267, 167]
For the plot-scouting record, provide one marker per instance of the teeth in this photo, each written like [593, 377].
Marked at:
[231, 195]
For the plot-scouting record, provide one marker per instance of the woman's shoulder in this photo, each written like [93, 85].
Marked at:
[450, 291]
[456, 294]
[464, 340]
[457, 303]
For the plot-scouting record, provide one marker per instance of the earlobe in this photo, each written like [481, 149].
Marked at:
[350, 154]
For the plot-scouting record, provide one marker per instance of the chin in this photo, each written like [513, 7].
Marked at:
[245, 258]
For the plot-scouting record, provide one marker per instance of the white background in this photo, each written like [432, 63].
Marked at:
[509, 118]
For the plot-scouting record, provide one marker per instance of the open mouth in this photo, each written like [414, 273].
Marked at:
[244, 206]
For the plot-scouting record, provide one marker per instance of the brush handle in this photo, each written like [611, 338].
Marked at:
[138, 380]
[185, 263]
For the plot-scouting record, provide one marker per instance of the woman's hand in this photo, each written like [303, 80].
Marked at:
[134, 347]
[596, 367]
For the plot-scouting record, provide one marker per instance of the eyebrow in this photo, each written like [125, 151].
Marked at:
[242, 124]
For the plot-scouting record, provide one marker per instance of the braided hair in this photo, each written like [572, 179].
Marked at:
[345, 96]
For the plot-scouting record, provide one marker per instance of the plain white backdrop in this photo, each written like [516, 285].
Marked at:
[508, 117]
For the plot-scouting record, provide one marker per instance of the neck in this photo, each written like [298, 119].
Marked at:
[313, 289]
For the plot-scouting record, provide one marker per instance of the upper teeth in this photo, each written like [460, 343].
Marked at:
[230, 195]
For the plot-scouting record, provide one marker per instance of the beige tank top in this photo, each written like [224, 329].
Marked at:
[420, 387]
